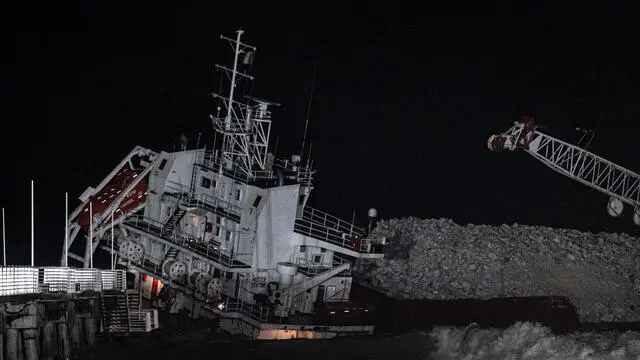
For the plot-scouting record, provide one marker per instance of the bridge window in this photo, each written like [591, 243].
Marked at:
[206, 182]
[162, 164]
[238, 194]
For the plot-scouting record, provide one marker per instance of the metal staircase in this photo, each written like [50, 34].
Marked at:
[211, 202]
[172, 253]
[134, 301]
[178, 214]
[122, 313]
[115, 313]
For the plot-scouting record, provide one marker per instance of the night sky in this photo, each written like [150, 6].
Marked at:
[405, 100]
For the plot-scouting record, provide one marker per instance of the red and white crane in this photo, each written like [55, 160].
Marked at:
[622, 185]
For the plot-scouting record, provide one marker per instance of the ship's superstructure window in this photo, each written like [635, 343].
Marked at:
[219, 224]
[238, 194]
[257, 201]
[206, 182]
[223, 192]
[303, 248]
[162, 164]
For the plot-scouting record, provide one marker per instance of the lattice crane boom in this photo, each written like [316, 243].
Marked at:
[621, 184]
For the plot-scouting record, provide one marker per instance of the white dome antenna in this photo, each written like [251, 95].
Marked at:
[373, 213]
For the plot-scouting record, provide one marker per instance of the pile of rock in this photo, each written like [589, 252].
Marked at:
[439, 259]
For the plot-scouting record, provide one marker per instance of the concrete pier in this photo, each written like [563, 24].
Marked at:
[63, 340]
[47, 327]
[49, 341]
[13, 339]
[30, 344]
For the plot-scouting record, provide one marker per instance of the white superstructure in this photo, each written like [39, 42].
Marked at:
[225, 229]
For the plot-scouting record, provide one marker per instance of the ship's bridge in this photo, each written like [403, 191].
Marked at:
[278, 169]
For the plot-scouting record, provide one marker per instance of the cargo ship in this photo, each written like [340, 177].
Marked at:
[225, 230]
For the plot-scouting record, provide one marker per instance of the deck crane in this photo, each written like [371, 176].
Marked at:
[620, 184]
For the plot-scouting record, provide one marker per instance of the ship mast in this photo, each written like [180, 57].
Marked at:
[245, 129]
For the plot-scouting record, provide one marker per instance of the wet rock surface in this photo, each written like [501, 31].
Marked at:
[441, 260]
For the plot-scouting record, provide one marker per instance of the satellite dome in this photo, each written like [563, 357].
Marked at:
[373, 212]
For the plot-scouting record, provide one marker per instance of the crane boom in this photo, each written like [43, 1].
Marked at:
[621, 184]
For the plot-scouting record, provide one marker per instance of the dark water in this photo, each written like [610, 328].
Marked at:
[401, 332]
[184, 339]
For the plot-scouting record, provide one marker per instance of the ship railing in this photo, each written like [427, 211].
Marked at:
[154, 267]
[254, 311]
[260, 113]
[232, 127]
[208, 250]
[303, 173]
[338, 260]
[187, 197]
[23, 280]
[326, 227]
[311, 268]
[211, 159]
[147, 264]
[144, 320]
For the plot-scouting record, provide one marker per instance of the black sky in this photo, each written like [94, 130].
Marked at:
[405, 100]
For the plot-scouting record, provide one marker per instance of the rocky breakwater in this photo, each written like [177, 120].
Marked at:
[441, 260]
